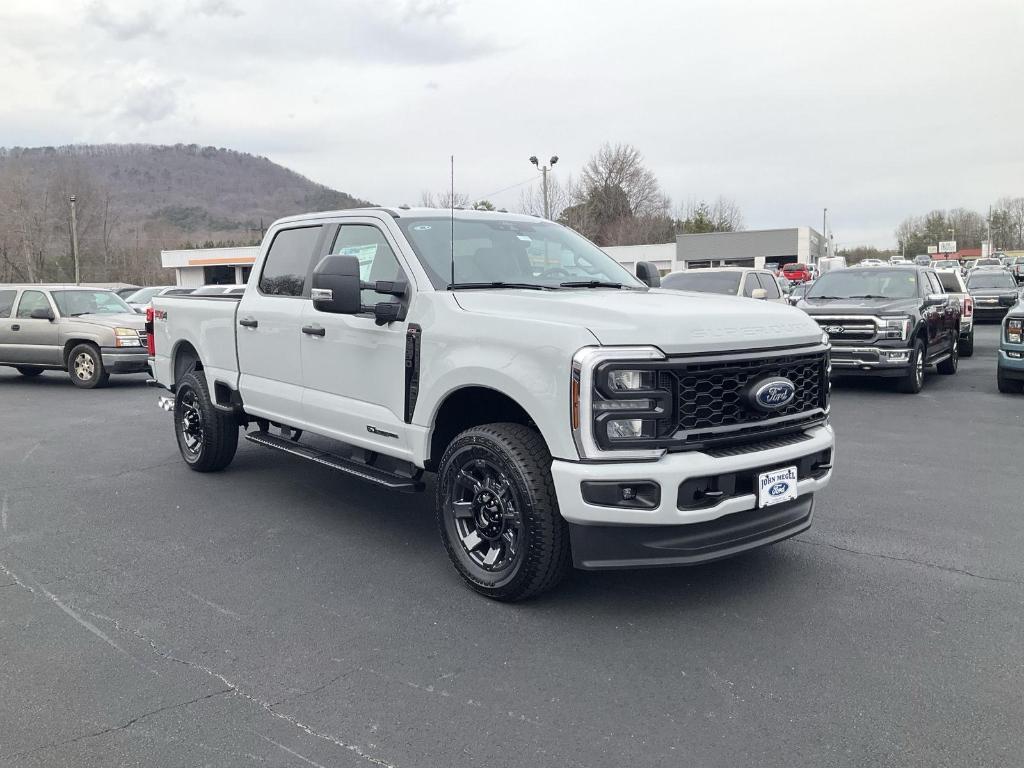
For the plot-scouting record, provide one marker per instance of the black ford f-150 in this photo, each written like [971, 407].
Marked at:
[887, 322]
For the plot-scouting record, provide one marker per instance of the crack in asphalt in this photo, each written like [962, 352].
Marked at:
[925, 563]
[87, 478]
[231, 688]
[123, 726]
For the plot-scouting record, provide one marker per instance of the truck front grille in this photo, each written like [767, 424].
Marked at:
[848, 328]
[713, 403]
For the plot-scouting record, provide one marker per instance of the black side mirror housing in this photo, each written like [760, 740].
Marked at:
[336, 285]
[648, 274]
[42, 314]
[1008, 299]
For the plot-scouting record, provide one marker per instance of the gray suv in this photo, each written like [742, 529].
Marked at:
[88, 332]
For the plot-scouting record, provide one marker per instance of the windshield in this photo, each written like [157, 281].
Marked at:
[992, 280]
[988, 263]
[859, 284]
[143, 295]
[727, 283]
[531, 253]
[74, 303]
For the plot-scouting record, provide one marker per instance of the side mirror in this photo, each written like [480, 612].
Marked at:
[648, 274]
[336, 285]
[936, 300]
[759, 293]
[1006, 300]
[42, 314]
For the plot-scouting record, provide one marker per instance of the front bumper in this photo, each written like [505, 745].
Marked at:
[982, 308]
[870, 361]
[676, 472]
[125, 360]
[605, 547]
[1011, 367]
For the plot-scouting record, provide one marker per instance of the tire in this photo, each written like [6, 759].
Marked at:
[496, 502]
[28, 371]
[85, 367]
[948, 366]
[967, 345]
[207, 437]
[912, 382]
[1007, 385]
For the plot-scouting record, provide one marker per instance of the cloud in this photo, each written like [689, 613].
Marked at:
[125, 26]
[219, 8]
[148, 102]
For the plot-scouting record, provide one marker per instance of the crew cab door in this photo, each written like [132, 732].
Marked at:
[269, 322]
[34, 341]
[7, 298]
[353, 370]
[940, 321]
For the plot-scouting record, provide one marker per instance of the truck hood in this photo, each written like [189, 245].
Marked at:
[858, 306]
[674, 321]
[125, 320]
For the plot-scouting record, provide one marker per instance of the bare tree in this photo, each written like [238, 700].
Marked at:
[444, 199]
[561, 195]
[616, 169]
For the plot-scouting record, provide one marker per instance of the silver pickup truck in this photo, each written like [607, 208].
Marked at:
[88, 332]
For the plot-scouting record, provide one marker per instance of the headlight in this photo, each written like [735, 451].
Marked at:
[1014, 331]
[895, 327]
[625, 381]
[126, 337]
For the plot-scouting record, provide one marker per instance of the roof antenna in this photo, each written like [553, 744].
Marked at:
[451, 202]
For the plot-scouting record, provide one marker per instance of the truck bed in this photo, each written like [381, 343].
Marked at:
[207, 323]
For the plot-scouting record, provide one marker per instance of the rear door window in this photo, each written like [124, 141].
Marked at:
[288, 261]
[934, 285]
[750, 284]
[950, 281]
[7, 302]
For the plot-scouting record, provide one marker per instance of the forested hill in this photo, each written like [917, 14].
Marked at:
[134, 199]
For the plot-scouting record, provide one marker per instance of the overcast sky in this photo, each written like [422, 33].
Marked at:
[874, 109]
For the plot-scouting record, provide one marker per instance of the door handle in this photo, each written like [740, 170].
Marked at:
[15, 327]
[249, 322]
[313, 330]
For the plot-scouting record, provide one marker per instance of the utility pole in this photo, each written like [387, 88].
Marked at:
[824, 228]
[544, 169]
[74, 240]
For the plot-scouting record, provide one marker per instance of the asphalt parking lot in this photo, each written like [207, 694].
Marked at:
[278, 614]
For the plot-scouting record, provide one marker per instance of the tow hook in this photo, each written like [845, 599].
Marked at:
[166, 403]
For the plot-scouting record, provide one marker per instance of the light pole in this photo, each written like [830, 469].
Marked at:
[74, 240]
[544, 169]
[824, 229]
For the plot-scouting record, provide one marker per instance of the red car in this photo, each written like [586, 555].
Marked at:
[796, 273]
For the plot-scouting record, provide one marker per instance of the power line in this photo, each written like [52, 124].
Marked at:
[506, 189]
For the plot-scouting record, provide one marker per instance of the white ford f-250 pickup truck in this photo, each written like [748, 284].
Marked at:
[572, 413]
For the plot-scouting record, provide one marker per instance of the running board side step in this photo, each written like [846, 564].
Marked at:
[393, 481]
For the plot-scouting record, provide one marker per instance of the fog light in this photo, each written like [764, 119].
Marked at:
[1015, 355]
[630, 429]
[899, 356]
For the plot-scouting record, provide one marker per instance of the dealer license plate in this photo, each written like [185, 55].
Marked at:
[776, 486]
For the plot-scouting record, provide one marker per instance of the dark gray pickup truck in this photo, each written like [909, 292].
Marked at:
[887, 321]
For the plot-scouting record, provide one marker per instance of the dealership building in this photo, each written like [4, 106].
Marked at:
[751, 248]
[196, 267]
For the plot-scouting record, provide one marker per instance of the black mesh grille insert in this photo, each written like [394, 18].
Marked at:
[712, 394]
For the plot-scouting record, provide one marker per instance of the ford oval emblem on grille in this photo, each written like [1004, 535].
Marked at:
[771, 394]
[834, 330]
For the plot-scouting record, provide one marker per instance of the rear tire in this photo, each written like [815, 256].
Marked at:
[1007, 385]
[967, 345]
[207, 437]
[28, 371]
[912, 382]
[497, 512]
[85, 367]
[948, 366]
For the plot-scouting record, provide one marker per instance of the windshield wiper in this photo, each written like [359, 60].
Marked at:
[589, 284]
[869, 296]
[500, 284]
[825, 297]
